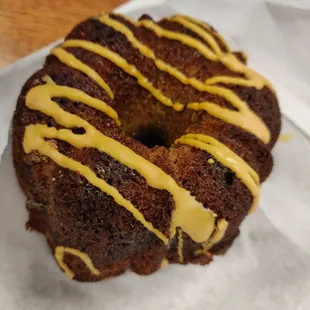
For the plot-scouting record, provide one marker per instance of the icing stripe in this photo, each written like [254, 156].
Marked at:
[180, 245]
[71, 61]
[35, 141]
[208, 28]
[147, 52]
[40, 97]
[189, 214]
[125, 66]
[208, 38]
[228, 60]
[59, 255]
[185, 39]
[228, 158]
[217, 236]
[232, 80]
[231, 62]
[246, 119]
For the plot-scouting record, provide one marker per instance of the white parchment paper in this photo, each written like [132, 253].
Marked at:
[269, 265]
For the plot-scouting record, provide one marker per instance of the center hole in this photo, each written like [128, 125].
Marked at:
[151, 136]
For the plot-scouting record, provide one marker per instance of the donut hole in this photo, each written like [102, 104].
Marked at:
[151, 136]
[229, 178]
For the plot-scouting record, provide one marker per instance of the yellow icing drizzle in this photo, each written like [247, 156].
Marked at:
[228, 60]
[254, 79]
[124, 65]
[187, 40]
[207, 27]
[217, 236]
[34, 141]
[147, 52]
[180, 245]
[228, 80]
[60, 251]
[197, 221]
[161, 65]
[244, 117]
[228, 158]
[71, 61]
[189, 215]
[40, 98]
[208, 38]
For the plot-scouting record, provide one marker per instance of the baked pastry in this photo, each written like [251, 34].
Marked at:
[140, 144]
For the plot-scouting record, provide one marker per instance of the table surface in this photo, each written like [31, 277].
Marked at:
[27, 25]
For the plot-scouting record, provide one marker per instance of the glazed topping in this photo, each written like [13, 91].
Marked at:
[60, 251]
[229, 60]
[41, 100]
[128, 68]
[71, 61]
[228, 158]
[206, 35]
[189, 215]
[244, 117]
[35, 141]
[217, 236]
[206, 27]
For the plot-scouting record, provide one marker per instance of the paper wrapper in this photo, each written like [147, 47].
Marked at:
[268, 266]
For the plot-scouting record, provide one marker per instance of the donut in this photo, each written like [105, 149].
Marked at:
[141, 144]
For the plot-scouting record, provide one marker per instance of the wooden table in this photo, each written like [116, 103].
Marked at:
[27, 25]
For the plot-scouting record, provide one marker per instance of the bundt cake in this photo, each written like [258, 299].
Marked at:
[142, 143]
